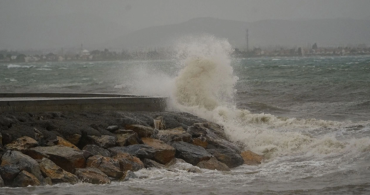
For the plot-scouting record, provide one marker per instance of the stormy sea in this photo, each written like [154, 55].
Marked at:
[309, 116]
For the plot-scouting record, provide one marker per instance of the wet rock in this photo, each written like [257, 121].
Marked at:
[126, 120]
[1, 182]
[21, 162]
[129, 162]
[47, 181]
[214, 135]
[22, 143]
[65, 157]
[227, 156]
[73, 138]
[8, 173]
[104, 141]
[128, 175]
[251, 158]
[191, 153]
[63, 142]
[24, 179]
[96, 150]
[107, 165]
[176, 134]
[6, 122]
[164, 153]
[142, 131]
[200, 141]
[55, 173]
[213, 164]
[16, 131]
[152, 164]
[139, 150]
[112, 128]
[92, 175]
[126, 138]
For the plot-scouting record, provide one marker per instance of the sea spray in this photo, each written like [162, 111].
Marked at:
[207, 77]
[205, 86]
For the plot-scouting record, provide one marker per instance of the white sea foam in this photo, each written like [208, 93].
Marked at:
[18, 66]
[205, 87]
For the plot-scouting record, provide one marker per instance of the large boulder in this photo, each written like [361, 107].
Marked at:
[227, 156]
[63, 142]
[213, 164]
[22, 162]
[67, 158]
[164, 153]
[251, 158]
[213, 135]
[107, 165]
[112, 128]
[73, 138]
[176, 134]
[191, 153]
[24, 179]
[8, 173]
[2, 184]
[96, 150]
[200, 141]
[142, 131]
[128, 162]
[104, 141]
[139, 150]
[127, 137]
[92, 175]
[55, 173]
[22, 143]
[152, 164]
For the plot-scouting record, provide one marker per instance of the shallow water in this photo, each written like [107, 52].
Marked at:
[309, 116]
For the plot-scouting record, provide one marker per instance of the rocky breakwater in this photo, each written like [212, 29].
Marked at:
[69, 147]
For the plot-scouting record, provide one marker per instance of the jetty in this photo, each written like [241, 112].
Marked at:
[40, 102]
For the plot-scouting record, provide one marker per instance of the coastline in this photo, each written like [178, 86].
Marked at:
[45, 148]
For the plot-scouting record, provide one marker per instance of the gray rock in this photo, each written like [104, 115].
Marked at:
[191, 153]
[22, 162]
[139, 150]
[65, 157]
[24, 179]
[92, 175]
[112, 128]
[152, 164]
[104, 141]
[55, 173]
[126, 138]
[142, 131]
[176, 134]
[227, 156]
[107, 165]
[213, 164]
[96, 150]
[8, 173]
[2, 182]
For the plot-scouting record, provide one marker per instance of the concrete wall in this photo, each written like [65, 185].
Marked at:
[22, 104]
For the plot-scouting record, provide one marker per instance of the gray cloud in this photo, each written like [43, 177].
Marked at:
[55, 23]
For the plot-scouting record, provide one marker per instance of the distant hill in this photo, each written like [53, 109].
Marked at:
[324, 32]
[70, 31]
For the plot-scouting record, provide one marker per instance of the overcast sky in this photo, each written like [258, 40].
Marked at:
[63, 23]
[136, 14]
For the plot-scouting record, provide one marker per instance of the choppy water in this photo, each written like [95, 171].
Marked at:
[309, 115]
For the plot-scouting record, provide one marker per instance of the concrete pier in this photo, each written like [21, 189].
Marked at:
[39, 102]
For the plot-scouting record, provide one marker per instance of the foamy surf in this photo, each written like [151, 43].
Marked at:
[205, 86]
